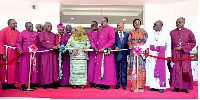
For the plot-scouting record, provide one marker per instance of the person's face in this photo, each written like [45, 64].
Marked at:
[120, 27]
[13, 24]
[77, 32]
[94, 26]
[61, 31]
[39, 28]
[104, 23]
[48, 27]
[30, 27]
[180, 23]
[157, 26]
[137, 24]
[68, 28]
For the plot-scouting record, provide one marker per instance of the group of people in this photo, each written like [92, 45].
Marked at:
[100, 67]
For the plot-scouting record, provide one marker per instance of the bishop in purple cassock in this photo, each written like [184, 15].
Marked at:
[106, 39]
[66, 57]
[49, 70]
[183, 41]
[24, 40]
[93, 37]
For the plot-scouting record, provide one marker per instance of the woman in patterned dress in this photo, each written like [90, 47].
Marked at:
[78, 57]
[137, 37]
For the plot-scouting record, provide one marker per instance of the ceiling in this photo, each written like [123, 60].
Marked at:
[85, 11]
[110, 2]
[84, 14]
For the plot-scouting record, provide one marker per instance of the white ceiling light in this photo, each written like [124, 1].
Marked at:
[72, 18]
[123, 19]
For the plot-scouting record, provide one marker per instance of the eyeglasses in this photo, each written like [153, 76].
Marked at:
[93, 24]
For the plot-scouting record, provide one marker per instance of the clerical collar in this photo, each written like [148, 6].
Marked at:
[180, 28]
[11, 28]
[69, 33]
[159, 31]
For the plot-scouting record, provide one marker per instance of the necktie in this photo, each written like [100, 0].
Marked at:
[121, 38]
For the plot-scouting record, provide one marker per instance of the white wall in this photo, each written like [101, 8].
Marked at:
[21, 11]
[169, 13]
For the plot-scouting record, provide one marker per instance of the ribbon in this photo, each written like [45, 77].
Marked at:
[33, 49]
[62, 49]
[106, 52]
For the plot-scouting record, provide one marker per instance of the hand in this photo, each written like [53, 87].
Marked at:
[84, 48]
[75, 50]
[130, 47]
[128, 56]
[178, 48]
[147, 52]
[95, 49]
[55, 47]
[101, 50]
[4, 57]
[58, 46]
[21, 52]
[117, 49]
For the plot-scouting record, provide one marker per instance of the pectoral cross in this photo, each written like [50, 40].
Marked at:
[172, 64]
[102, 36]
[47, 41]
[29, 41]
[179, 43]
[12, 43]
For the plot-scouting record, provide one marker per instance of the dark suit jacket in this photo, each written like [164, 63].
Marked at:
[124, 45]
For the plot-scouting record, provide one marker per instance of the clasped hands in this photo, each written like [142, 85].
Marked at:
[76, 50]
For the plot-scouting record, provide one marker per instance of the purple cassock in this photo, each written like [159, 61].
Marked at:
[93, 37]
[49, 68]
[181, 73]
[106, 39]
[24, 40]
[65, 60]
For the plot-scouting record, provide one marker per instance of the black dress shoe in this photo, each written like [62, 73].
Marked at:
[67, 85]
[161, 90]
[104, 87]
[152, 89]
[12, 86]
[55, 86]
[46, 87]
[22, 87]
[185, 90]
[98, 86]
[124, 87]
[108, 86]
[176, 90]
[117, 87]
[5, 88]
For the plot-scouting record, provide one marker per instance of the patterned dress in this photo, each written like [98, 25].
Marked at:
[78, 63]
[137, 39]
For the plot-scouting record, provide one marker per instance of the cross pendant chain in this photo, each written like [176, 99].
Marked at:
[102, 36]
[10, 37]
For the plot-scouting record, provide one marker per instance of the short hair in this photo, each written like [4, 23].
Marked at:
[27, 23]
[95, 22]
[9, 21]
[118, 23]
[106, 18]
[135, 20]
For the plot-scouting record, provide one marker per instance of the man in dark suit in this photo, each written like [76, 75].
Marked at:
[121, 39]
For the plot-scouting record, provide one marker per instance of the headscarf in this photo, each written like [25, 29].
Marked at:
[82, 35]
